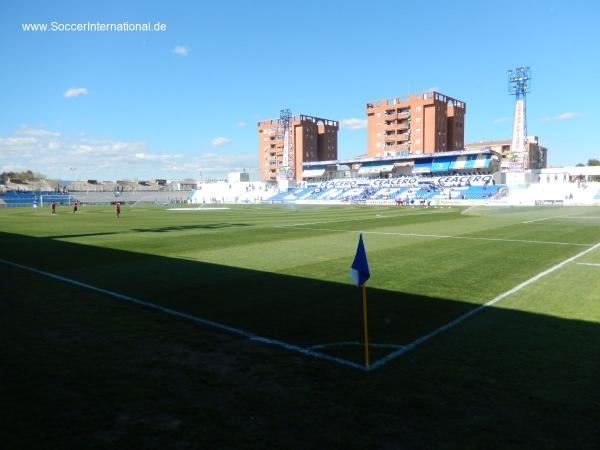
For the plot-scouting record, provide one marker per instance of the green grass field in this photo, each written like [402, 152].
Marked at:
[82, 369]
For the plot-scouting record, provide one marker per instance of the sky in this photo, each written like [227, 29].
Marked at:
[184, 101]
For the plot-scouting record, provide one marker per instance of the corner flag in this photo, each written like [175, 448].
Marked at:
[359, 271]
[359, 274]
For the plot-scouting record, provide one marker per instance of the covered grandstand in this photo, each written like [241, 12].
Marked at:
[406, 190]
[468, 162]
[458, 177]
[401, 179]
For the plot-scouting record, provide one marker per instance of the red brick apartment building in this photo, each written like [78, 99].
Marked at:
[310, 139]
[421, 123]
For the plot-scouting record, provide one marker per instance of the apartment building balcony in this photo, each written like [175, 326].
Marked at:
[393, 116]
[403, 137]
[390, 138]
[390, 126]
[403, 125]
[403, 115]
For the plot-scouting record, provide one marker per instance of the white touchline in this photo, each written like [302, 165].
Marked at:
[588, 264]
[210, 323]
[310, 350]
[442, 236]
[474, 311]
[548, 218]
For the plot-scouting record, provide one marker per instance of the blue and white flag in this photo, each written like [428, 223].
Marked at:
[359, 271]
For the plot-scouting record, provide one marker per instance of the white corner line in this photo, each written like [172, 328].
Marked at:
[209, 323]
[417, 342]
[354, 344]
[303, 350]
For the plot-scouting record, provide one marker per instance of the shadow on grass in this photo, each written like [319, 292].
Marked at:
[304, 312]
[80, 372]
[207, 226]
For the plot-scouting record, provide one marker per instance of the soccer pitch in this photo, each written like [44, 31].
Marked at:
[269, 286]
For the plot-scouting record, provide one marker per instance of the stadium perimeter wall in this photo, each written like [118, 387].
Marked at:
[241, 192]
[157, 197]
[572, 194]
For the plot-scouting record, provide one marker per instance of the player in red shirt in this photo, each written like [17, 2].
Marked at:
[118, 209]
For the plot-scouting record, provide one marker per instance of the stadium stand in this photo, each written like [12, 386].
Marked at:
[409, 190]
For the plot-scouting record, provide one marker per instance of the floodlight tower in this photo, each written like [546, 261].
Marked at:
[287, 169]
[519, 84]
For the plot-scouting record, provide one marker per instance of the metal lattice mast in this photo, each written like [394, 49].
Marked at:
[285, 118]
[519, 84]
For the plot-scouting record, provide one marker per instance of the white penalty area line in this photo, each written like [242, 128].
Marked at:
[196, 209]
[443, 236]
[209, 323]
[377, 216]
[417, 342]
[585, 217]
[548, 218]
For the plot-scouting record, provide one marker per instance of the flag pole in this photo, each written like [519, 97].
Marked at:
[363, 291]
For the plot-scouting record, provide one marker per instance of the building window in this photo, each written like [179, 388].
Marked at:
[418, 141]
[418, 109]
[418, 130]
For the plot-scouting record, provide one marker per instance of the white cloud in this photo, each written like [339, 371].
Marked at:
[216, 163]
[38, 132]
[219, 142]
[567, 116]
[181, 50]
[81, 157]
[242, 124]
[353, 124]
[564, 116]
[75, 92]
[11, 141]
[501, 120]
